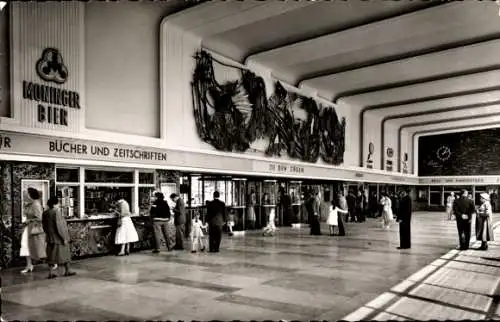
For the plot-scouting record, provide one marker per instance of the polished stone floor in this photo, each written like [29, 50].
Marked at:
[291, 276]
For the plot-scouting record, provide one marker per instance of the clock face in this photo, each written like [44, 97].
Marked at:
[371, 147]
[443, 153]
[390, 152]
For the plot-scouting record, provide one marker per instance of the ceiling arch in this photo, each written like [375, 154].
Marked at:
[383, 57]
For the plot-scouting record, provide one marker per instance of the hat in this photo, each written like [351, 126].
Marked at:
[485, 196]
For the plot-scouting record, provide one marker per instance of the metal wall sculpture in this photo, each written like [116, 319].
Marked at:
[232, 115]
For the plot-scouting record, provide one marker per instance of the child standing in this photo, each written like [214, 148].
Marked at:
[333, 216]
[197, 228]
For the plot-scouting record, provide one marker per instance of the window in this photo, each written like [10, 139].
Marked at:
[90, 192]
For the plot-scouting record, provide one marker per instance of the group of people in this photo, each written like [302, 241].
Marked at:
[464, 209]
[355, 208]
[45, 235]
[173, 231]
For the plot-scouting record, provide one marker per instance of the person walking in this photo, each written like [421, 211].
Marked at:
[163, 226]
[404, 218]
[463, 208]
[58, 251]
[125, 233]
[334, 217]
[449, 205]
[252, 203]
[387, 214]
[216, 215]
[360, 203]
[179, 220]
[314, 213]
[484, 228]
[33, 244]
[342, 203]
[351, 205]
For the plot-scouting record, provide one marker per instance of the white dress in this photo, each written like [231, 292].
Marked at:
[333, 216]
[126, 232]
[387, 210]
[196, 228]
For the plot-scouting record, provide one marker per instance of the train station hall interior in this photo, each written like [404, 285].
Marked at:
[249, 160]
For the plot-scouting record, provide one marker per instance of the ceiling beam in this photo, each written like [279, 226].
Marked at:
[397, 57]
[453, 128]
[461, 118]
[417, 81]
[405, 102]
[415, 114]
[364, 22]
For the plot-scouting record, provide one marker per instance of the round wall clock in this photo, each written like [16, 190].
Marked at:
[443, 153]
[390, 152]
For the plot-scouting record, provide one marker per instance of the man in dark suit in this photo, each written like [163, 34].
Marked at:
[463, 208]
[216, 216]
[404, 218]
[179, 220]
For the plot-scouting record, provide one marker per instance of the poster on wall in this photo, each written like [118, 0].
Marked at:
[42, 186]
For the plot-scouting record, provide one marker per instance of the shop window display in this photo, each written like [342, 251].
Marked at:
[101, 200]
[68, 191]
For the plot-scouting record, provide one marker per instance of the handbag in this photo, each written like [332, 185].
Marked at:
[35, 228]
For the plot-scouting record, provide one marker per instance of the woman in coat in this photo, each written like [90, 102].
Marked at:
[484, 229]
[58, 251]
[33, 238]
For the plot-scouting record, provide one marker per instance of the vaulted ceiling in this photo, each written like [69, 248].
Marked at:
[415, 64]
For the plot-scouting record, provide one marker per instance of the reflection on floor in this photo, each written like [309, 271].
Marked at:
[291, 276]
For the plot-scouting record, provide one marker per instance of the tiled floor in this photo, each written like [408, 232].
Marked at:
[291, 276]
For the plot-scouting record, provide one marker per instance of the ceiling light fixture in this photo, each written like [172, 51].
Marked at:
[2, 4]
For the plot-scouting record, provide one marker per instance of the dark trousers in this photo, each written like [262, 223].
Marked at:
[315, 225]
[352, 215]
[464, 228]
[341, 224]
[214, 237]
[161, 229]
[360, 214]
[405, 234]
[179, 236]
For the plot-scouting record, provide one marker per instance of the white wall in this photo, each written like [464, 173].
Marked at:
[372, 132]
[122, 66]
[406, 147]
[178, 65]
[391, 136]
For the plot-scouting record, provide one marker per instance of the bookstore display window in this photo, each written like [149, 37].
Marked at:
[146, 189]
[90, 192]
[102, 187]
[68, 191]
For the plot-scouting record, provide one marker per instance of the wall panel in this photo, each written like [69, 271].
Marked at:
[35, 27]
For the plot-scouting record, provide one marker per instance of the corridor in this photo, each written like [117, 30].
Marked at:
[291, 276]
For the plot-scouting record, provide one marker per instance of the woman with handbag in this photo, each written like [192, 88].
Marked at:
[126, 233]
[33, 238]
[484, 229]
